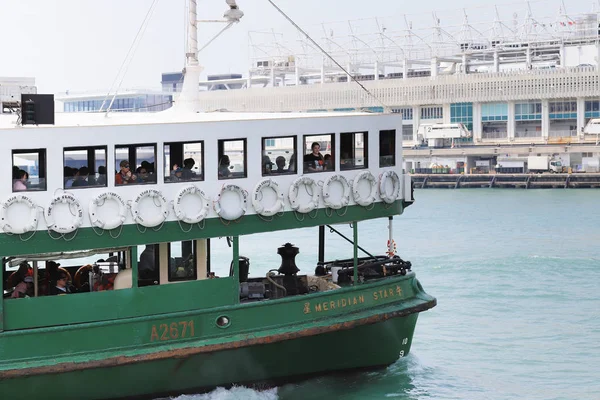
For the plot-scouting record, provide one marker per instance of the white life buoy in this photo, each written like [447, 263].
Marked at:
[384, 178]
[312, 189]
[71, 224]
[258, 197]
[344, 199]
[159, 201]
[202, 211]
[99, 201]
[231, 213]
[364, 201]
[28, 225]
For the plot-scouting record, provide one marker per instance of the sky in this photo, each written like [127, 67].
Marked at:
[80, 45]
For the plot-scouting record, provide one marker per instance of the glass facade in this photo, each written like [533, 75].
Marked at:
[592, 108]
[434, 112]
[137, 103]
[494, 112]
[528, 111]
[462, 113]
[407, 113]
[566, 109]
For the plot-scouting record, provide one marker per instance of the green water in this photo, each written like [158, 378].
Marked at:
[517, 278]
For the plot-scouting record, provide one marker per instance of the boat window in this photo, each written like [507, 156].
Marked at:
[29, 170]
[319, 153]
[182, 261]
[387, 148]
[353, 151]
[148, 262]
[135, 164]
[184, 161]
[84, 167]
[279, 155]
[232, 158]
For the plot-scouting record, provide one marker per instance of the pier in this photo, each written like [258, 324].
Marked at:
[513, 181]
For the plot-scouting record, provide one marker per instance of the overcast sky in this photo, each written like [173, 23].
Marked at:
[79, 45]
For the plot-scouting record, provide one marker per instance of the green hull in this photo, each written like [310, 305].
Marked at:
[343, 329]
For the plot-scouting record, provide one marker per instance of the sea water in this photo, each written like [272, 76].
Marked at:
[517, 278]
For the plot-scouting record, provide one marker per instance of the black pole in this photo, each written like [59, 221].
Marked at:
[321, 244]
[350, 241]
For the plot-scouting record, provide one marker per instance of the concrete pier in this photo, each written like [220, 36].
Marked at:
[514, 181]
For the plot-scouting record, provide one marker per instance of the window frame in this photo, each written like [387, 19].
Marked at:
[194, 258]
[393, 134]
[42, 154]
[93, 148]
[294, 151]
[131, 150]
[222, 153]
[202, 175]
[333, 154]
[365, 150]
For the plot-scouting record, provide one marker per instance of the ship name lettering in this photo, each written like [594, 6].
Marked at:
[388, 292]
[172, 331]
[339, 303]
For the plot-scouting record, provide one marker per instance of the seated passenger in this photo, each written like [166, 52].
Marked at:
[328, 160]
[61, 286]
[124, 176]
[20, 184]
[147, 263]
[292, 166]
[314, 162]
[81, 178]
[267, 165]
[101, 180]
[280, 162]
[224, 167]
[186, 172]
[142, 175]
[70, 176]
[24, 287]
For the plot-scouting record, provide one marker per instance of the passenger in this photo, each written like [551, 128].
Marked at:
[15, 174]
[147, 263]
[74, 173]
[24, 287]
[20, 183]
[314, 162]
[101, 180]
[81, 178]
[280, 162]
[124, 176]
[62, 285]
[187, 173]
[267, 165]
[292, 166]
[328, 161]
[224, 167]
[142, 174]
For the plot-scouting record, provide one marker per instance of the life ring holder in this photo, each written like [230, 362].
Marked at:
[159, 218]
[110, 224]
[294, 190]
[181, 215]
[225, 214]
[31, 224]
[384, 178]
[257, 198]
[343, 201]
[365, 201]
[76, 220]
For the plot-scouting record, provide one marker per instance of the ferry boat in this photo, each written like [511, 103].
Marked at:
[109, 285]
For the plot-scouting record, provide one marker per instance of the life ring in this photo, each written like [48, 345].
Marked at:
[78, 275]
[295, 189]
[29, 225]
[158, 218]
[358, 198]
[98, 201]
[76, 219]
[384, 178]
[258, 196]
[202, 212]
[343, 200]
[229, 214]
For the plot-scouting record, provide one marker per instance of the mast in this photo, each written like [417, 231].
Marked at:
[191, 76]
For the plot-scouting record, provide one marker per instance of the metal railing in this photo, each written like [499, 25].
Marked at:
[494, 135]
